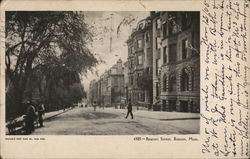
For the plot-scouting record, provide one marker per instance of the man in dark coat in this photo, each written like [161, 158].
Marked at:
[30, 118]
[41, 111]
[94, 105]
[129, 109]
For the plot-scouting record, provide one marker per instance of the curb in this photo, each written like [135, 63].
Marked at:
[56, 114]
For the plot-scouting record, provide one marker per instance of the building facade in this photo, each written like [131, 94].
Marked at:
[163, 65]
[176, 61]
[109, 89]
[93, 90]
[126, 80]
[156, 58]
[139, 63]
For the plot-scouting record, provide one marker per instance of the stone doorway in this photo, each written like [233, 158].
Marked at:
[172, 105]
[164, 105]
[183, 106]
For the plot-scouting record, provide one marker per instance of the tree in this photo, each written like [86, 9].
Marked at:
[53, 42]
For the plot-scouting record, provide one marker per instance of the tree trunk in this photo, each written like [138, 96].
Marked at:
[18, 98]
[19, 89]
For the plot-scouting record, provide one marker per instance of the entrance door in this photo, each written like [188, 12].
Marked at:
[184, 106]
[164, 107]
[172, 105]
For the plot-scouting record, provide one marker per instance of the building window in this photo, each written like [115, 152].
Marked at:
[131, 80]
[135, 79]
[133, 49]
[184, 80]
[184, 48]
[164, 83]
[139, 74]
[139, 43]
[139, 60]
[172, 53]
[165, 55]
[142, 96]
[132, 64]
[147, 70]
[164, 29]
[115, 89]
[173, 27]
[115, 81]
[172, 84]
[157, 89]
[158, 42]
[185, 20]
[158, 23]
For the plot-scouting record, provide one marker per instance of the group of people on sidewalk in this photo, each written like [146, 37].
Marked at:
[31, 116]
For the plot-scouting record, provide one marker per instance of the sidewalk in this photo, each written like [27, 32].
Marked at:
[46, 116]
[167, 115]
[49, 115]
[159, 115]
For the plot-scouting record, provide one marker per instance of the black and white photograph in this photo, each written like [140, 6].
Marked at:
[102, 72]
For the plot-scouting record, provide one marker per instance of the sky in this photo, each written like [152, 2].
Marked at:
[119, 26]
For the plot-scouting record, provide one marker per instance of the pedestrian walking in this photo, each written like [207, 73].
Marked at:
[41, 112]
[129, 109]
[30, 118]
[94, 105]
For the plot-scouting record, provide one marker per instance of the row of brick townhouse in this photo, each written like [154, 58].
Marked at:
[176, 61]
[109, 89]
[140, 66]
[163, 62]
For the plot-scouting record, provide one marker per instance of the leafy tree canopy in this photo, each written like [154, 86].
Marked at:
[33, 38]
[48, 44]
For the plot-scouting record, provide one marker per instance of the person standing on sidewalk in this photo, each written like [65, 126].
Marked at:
[129, 109]
[41, 112]
[30, 118]
[94, 105]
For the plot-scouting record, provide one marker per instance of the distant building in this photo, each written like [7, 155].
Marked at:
[139, 63]
[93, 90]
[109, 89]
[176, 61]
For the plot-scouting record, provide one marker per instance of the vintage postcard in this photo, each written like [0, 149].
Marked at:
[125, 79]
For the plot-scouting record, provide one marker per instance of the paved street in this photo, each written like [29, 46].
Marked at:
[86, 121]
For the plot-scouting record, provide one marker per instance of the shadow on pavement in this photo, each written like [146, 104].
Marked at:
[99, 115]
